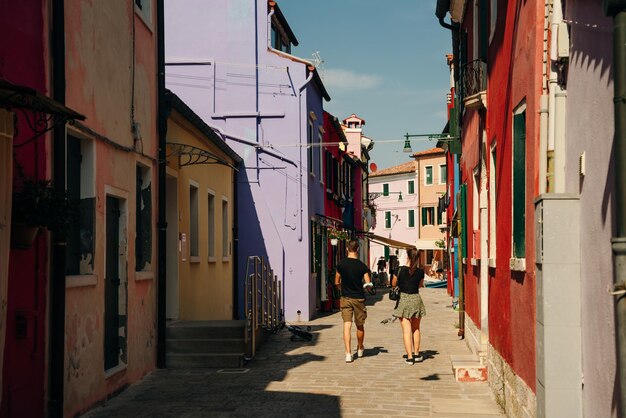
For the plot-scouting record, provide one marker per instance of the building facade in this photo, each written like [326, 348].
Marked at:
[267, 104]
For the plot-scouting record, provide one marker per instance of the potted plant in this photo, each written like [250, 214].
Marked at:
[337, 234]
[38, 204]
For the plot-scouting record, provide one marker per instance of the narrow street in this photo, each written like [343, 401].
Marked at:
[308, 379]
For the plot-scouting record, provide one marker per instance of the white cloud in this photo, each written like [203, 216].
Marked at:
[338, 79]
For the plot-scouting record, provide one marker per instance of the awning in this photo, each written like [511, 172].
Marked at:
[426, 244]
[390, 242]
[22, 97]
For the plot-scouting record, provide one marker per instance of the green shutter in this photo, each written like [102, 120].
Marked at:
[411, 218]
[411, 187]
[385, 189]
[387, 219]
[386, 252]
[463, 220]
[424, 210]
[519, 185]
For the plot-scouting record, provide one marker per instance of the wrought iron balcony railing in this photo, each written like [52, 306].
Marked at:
[474, 78]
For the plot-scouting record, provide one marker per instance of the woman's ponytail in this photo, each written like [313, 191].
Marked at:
[414, 259]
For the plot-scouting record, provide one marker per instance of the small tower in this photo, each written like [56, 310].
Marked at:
[353, 128]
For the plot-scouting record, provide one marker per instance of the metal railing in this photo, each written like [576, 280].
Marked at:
[262, 301]
[474, 78]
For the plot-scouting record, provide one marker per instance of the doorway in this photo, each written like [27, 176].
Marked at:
[171, 210]
[115, 285]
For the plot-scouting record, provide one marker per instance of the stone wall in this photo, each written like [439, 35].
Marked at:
[512, 393]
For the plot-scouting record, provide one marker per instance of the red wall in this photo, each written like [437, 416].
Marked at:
[514, 66]
[23, 61]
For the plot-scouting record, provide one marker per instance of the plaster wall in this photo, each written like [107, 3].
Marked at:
[112, 87]
[255, 94]
[429, 194]
[589, 130]
[206, 283]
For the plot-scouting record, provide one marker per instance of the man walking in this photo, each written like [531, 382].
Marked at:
[352, 277]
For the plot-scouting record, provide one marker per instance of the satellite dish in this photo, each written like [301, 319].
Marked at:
[373, 167]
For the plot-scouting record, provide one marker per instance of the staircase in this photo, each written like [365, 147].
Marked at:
[205, 344]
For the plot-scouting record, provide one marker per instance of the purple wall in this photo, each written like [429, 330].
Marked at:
[252, 94]
[589, 128]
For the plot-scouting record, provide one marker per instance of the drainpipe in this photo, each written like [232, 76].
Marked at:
[617, 9]
[556, 104]
[161, 222]
[300, 89]
[57, 282]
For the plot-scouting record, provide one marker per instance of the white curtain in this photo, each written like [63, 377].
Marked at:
[6, 187]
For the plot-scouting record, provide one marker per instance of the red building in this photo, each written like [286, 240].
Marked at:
[498, 54]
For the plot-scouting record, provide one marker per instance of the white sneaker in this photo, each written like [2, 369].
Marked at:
[360, 352]
[348, 358]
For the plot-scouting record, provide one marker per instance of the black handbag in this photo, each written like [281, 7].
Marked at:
[394, 293]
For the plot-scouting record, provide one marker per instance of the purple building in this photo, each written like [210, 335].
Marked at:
[231, 62]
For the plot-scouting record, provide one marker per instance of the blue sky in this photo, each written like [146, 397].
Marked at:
[383, 60]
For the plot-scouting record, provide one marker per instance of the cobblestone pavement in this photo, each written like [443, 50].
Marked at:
[311, 379]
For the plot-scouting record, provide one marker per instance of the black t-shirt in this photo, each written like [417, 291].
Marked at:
[352, 271]
[410, 283]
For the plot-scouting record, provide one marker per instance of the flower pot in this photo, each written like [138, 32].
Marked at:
[22, 235]
[334, 241]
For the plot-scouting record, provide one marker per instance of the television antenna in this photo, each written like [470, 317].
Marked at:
[318, 61]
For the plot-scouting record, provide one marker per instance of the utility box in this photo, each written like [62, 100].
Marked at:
[558, 323]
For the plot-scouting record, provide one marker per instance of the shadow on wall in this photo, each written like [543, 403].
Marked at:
[250, 237]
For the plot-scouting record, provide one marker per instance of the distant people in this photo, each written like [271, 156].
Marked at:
[353, 278]
[394, 264]
[382, 264]
[382, 274]
[410, 308]
[433, 268]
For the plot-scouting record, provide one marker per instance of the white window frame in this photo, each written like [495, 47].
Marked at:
[492, 205]
[408, 188]
[194, 230]
[226, 250]
[145, 12]
[408, 219]
[432, 175]
[441, 166]
[211, 235]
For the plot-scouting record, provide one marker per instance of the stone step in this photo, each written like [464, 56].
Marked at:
[205, 329]
[209, 345]
[469, 371]
[205, 360]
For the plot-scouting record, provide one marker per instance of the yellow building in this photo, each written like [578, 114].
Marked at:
[200, 190]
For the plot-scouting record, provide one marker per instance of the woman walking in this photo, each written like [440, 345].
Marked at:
[410, 308]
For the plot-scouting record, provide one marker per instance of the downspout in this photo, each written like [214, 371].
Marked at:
[57, 285]
[543, 110]
[300, 89]
[556, 104]
[161, 222]
[617, 9]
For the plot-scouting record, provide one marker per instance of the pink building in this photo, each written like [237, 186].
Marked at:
[406, 198]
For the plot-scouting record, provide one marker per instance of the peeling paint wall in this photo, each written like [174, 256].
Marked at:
[111, 81]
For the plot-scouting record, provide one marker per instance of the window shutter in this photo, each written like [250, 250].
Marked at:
[519, 185]
[411, 218]
[424, 210]
[463, 220]
[484, 29]
[385, 189]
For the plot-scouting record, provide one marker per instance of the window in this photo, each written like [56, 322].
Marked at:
[519, 183]
[211, 225]
[193, 220]
[80, 250]
[439, 218]
[493, 18]
[430, 254]
[428, 178]
[385, 189]
[225, 230]
[143, 219]
[386, 252]
[443, 174]
[411, 218]
[144, 10]
[475, 198]
[411, 187]
[320, 155]
[492, 202]
[329, 171]
[387, 219]
[279, 40]
[309, 141]
[428, 216]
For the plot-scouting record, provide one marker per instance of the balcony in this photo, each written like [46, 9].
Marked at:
[474, 84]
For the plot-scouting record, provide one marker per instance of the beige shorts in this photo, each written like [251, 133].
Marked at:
[353, 307]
